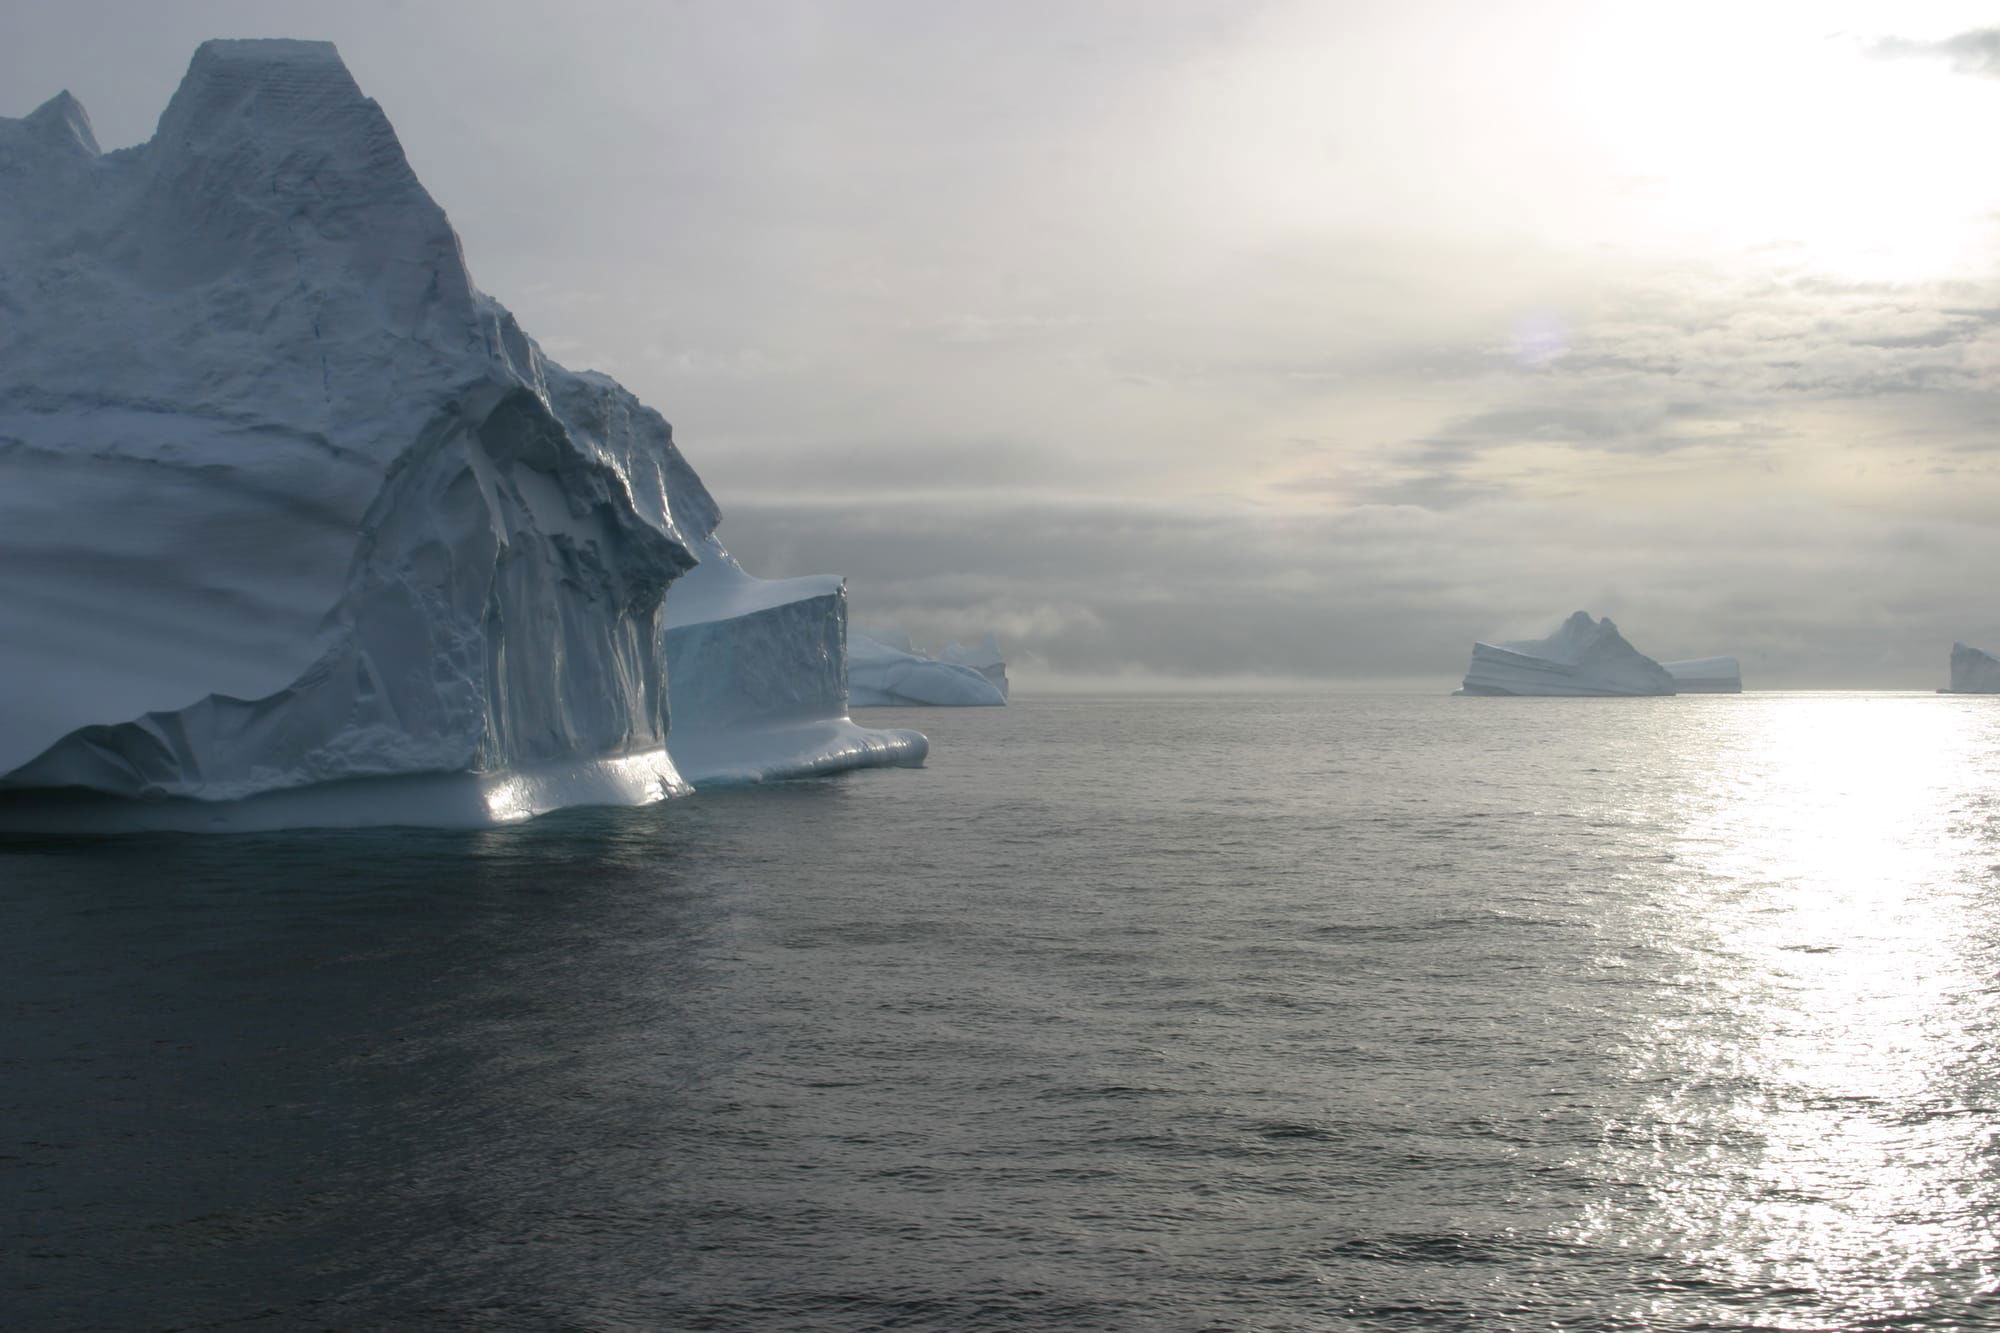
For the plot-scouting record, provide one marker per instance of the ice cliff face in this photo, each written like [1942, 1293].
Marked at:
[1583, 657]
[1706, 675]
[894, 674]
[285, 502]
[758, 670]
[1973, 672]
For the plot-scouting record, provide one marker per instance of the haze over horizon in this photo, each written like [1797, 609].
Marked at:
[1296, 340]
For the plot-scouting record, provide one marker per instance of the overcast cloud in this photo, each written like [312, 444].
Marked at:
[1291, 339]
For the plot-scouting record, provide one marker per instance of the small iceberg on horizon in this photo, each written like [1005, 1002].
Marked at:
[1706, 675]
[1584, 657]
[1972, 671]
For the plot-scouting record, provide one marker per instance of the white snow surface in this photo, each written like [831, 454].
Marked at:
[880, 675]
[1973, 671]
[285, 502]
[1583, 657]
[1706, 675]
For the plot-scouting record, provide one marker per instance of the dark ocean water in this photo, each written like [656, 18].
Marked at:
[1223, 1013]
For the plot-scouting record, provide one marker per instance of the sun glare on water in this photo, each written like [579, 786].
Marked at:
[1823, 1120]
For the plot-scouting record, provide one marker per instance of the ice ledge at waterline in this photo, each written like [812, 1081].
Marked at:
[289, 508]
[758, 674]
[437, 800]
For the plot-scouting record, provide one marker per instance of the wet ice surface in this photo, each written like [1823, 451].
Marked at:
[1389, 1013]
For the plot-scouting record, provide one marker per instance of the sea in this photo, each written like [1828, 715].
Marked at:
[1383, 1012]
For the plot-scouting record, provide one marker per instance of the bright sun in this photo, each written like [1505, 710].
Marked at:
[1792, 143]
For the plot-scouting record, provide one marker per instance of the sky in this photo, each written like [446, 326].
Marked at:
[1238, 342]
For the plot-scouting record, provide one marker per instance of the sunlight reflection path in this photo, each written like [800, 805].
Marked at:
[1824, 1128]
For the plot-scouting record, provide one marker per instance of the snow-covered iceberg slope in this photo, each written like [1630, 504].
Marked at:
[983, 657]
[1973, 672]
[894, 674]
[289, 508]
[1583, 657]
[1706, 675]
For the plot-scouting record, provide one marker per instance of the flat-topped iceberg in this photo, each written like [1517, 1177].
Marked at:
[299, 526]
[1583, 657]
[1706, 675]
[893, 674]
[1973, 672]
[758, 676]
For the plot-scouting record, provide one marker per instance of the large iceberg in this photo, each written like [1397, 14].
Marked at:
[983, 657]
[1706, 675]
[1583, 657]
[1973, 672]
[887, 671]
[299, 526]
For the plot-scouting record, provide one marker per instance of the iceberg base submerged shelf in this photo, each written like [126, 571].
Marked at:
[430, 800]
[757, 672]
[795, 750]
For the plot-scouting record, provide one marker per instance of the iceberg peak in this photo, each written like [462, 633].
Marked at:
[62, 123]
[1973, 671]
[261, 87]
[1583, 657]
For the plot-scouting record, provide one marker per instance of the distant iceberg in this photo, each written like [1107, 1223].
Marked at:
[1706, 675]
[1583, 657]
[983, 657]
[1973, 672]
[894, 674]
